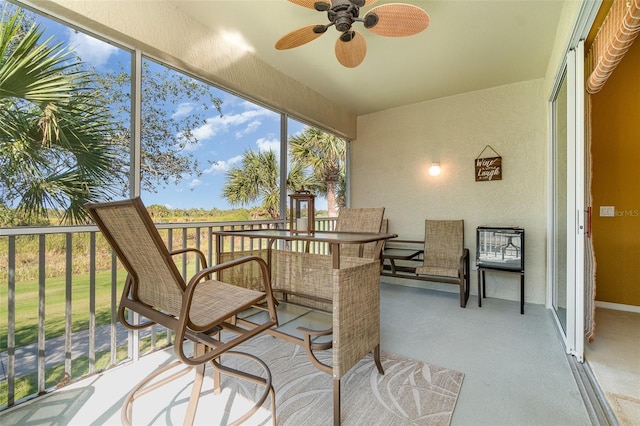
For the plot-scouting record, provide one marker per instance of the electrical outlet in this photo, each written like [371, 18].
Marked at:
[607, 211]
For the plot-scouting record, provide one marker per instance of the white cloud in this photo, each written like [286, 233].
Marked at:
[183, 109]
[194, 183]
[252, 127]
[89, 49]
[189, 146]
[268, 145]
[223, 166]
[248, 119]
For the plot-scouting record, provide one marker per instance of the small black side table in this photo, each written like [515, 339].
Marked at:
[481, 285]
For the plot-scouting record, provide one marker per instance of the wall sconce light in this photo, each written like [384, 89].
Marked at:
[434, 170]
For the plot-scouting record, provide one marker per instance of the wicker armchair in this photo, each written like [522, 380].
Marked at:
[196, 311]
[445, 258]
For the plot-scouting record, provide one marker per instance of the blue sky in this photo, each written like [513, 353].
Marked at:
[222, 140]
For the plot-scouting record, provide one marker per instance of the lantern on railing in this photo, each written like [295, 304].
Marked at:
[301, 212]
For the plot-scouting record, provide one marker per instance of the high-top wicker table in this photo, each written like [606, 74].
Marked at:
[327, 301]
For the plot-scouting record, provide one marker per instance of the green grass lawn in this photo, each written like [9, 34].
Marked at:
[28, 384]
[55, 306]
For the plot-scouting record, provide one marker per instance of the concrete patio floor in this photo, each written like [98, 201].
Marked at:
[516, 371]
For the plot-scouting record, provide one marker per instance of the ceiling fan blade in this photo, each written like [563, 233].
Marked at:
[299, 37]
[396, 20]
[351, 49]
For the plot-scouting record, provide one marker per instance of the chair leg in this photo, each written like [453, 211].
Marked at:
[465, 285]
[522, 294]
[464, 292]
[376, 359]
[150, 383]
[262, 381]
[196, 389]
[147, 385]
[216, 380]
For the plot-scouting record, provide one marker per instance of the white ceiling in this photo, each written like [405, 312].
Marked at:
[468, 46]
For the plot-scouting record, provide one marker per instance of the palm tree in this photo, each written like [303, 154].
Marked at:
[325, 155]
[257, 179]
[55, 153]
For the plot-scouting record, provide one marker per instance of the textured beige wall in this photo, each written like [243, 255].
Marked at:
[395, 148]
[140, 24]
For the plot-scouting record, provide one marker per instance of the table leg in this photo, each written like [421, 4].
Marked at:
[522, 294]
[335, 251]
[479, 289]
[484, 286]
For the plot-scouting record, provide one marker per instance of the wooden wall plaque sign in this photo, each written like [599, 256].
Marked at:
[488, 168]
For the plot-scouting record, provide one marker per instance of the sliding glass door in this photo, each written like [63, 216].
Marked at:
[559, 239]
[567, 212]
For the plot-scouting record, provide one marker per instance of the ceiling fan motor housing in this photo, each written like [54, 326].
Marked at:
[343, 23]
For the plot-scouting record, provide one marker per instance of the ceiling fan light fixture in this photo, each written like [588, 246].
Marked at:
[319, 29]
[370, 20]
[347, 36]
[322, 6]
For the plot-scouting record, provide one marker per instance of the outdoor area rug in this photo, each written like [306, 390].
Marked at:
[410, 392]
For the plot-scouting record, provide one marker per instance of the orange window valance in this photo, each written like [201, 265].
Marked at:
[616, 35]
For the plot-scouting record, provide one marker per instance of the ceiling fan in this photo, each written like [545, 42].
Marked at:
[390, 20]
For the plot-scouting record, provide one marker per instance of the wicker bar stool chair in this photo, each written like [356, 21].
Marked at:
[197, 311]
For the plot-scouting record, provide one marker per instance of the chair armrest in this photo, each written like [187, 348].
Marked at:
[310, 347]
[199, 253]
[124, 305]
[396, 241]
[197, 278]
[233, 263]
[462, 264]
[312, 332]
[185, 327]
[309, 332]
[405, 244]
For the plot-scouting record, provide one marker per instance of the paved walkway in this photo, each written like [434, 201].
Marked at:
[26, 359]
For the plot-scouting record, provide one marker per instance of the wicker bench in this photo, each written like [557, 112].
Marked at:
[406, 259]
